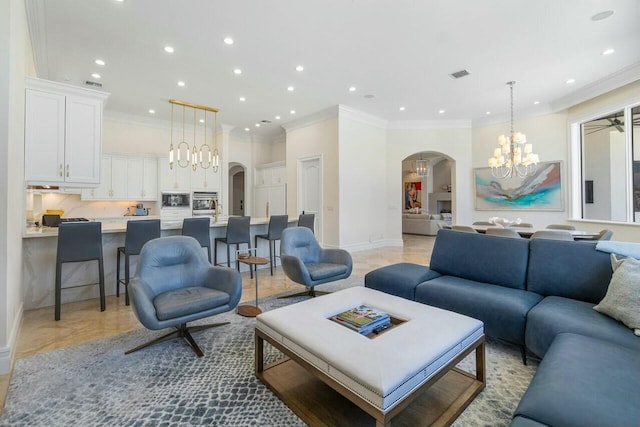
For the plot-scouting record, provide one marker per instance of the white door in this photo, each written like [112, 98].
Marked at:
[310, 191]
[277, 200]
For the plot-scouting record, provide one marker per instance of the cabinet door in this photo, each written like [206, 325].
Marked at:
[103, 191]
[277, 198]
[150, 179]
[183, 177]
[135, 177]
[278, 175]
[200, 178]
[118, 178]
[261, 199]
[83, 139]
[44, 137]
[260, 179]
[167, 176]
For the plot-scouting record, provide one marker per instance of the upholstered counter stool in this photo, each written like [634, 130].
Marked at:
[307, 220]
[138, 233]
[277, 223]
[198, 228]
[79, 242]
[237, 233]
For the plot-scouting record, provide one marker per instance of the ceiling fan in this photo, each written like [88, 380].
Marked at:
[614, 122]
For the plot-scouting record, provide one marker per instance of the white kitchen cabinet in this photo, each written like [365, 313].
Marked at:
[142, 178]
[205, 179]
[113, 180]
[63, 134]
[269, 201]
[174, 179]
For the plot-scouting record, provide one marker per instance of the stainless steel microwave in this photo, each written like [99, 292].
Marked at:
[205, 203]
[176, 200]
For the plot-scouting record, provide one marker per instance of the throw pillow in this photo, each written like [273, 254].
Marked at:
[622, 301]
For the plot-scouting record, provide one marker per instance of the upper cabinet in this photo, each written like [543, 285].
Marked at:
[270, 174]
[63, 134]
[126, 177]
[186, 179]
[142, 178]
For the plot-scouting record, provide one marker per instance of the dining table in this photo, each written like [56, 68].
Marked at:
[526, 232]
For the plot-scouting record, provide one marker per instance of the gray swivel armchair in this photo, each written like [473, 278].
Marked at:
[305, 262]
[175, 284]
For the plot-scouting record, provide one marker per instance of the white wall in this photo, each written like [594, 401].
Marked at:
[363, 201]
[16, 62]
[129, 134]
[454, 143]
[548, 134]
[316, 139]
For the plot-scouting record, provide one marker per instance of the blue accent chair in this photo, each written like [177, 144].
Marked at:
[305, 262]
[176, 284]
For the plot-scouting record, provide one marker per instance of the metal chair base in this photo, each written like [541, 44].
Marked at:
[182, 331]
[310, 292]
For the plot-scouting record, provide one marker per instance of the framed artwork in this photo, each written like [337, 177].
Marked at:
[412, 195]
[541, 191]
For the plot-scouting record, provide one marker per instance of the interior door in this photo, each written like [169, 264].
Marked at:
[310, 191]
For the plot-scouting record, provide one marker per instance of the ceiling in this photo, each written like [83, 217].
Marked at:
[399, 51]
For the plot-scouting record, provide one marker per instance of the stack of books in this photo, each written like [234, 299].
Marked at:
[363, 319]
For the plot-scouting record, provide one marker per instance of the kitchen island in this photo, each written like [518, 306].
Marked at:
[39, 245]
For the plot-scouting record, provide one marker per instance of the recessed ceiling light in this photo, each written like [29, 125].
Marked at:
[369, 96]
[441, 111]
[120, 1]
[152, 111]
[257, 125]
[242, 99]
[570, 81]
[402, 108]
[201, 120]
[292, 111]
[99, 62]
[602, 15]
[96, 76]
[237, 71]
[247, 129]
[488, 113]
[169, 49]
[352, 89]
[608, 51]
[290, 88]
[277, 117]
[181, 83]
[536, 102]
[299, 68]
[228, 40]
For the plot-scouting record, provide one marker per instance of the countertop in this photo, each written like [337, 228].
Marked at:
[119, 225]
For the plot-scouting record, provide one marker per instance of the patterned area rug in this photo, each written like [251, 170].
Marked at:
[95, 384]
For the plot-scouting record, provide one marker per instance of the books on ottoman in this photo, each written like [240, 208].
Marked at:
[363, 319]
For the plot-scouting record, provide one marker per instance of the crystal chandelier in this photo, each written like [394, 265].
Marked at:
[422, 167]
[205, 156]
[514, 157]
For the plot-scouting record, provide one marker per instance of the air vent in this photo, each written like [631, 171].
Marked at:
[90, 83]
[265, 121]
[459, 74]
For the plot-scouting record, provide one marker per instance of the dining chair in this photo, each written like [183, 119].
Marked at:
[237, 233]
[307, 220]
[521, 225]
[465, 228]
[199, 229]
[553, 235]
[503, 232]
[277, 224]
[483, 223]
[560, 227]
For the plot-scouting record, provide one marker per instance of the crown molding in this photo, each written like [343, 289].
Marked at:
[429, 124]
[362, 117]
[37, 24]
[320, 116]
[63, 88]
[137, 120]
[536, 111]
[607, 84]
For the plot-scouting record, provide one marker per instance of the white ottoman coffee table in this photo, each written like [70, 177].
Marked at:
[411, 363]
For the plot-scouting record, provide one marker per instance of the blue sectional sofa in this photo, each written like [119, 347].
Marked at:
[538, 294]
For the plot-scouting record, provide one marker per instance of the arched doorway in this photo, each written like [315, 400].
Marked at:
[237, 189]
[426, 192]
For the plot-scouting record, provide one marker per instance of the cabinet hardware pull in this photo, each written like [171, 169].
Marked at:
[267, 209]
[60, 170]
[67, 170]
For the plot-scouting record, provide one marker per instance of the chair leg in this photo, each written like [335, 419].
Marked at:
[154, 341]
[103, 305]
[251, 269]
[118, 274]
[182, 331]
[310, 292]
[271, 259]
[126, 278]
[58, 289]
[229, 255]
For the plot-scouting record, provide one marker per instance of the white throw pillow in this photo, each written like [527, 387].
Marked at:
[622, 301]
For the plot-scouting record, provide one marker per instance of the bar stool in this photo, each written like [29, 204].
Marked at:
[79, 242]
[237, 233]
[277, 223]
[307, 220]
[198, 228]
[138, 233]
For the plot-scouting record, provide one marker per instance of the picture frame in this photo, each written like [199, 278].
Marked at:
[539, 191]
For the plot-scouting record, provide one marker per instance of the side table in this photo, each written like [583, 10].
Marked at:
[248, 310]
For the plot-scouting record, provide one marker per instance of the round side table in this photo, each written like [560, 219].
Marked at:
[248, 310]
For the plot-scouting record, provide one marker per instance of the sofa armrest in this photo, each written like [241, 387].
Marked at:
[399, 279]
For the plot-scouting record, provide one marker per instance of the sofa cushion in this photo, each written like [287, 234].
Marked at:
[525, 422]
[399, 279]
[186, 301]
[488, 259]
[582, 382]
[503, 310]
[555, 315]
[568, 269]
[622, 301]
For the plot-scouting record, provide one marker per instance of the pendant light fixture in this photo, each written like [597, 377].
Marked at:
[184, 156]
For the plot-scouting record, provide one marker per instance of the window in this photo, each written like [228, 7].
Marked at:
[610, 159]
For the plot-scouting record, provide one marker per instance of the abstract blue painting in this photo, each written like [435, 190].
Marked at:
[540, 191]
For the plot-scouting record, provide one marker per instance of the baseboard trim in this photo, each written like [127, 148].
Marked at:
[363, 246]
[8, 353]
